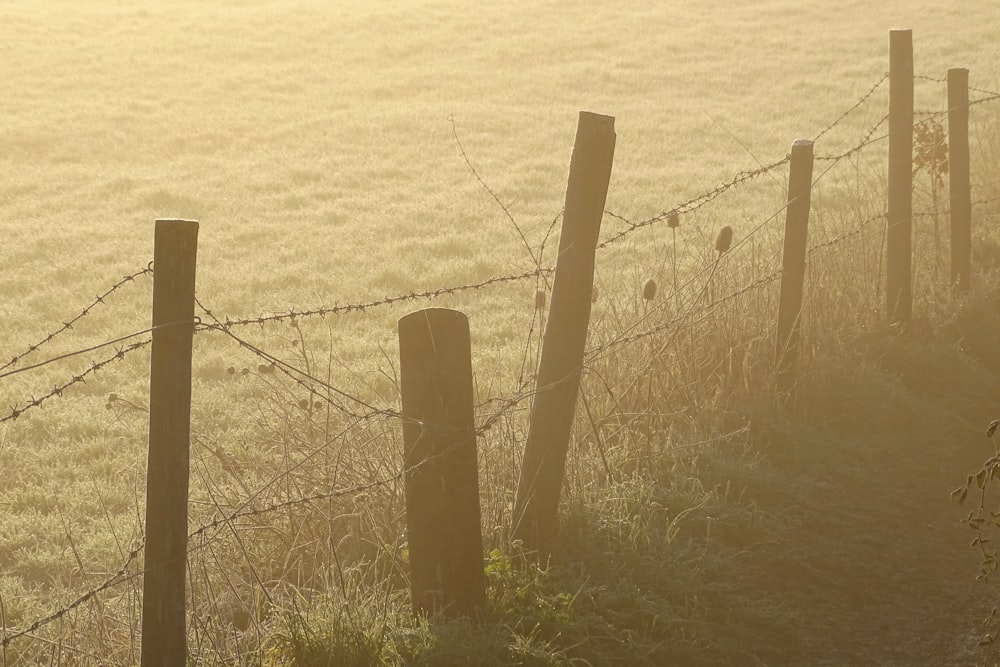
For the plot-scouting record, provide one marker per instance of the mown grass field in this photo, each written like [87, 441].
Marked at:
[318, 144]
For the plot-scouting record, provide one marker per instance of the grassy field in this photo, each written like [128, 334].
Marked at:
[318, 144]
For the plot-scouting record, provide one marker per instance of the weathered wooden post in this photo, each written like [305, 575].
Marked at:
[899, 218]
[163, 609]
[441, 480]
[793, 265]
[959, 179]
[537, 501]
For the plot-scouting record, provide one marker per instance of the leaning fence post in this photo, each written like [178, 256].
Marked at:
[959, 179]
[163, 611]
[558, 383]
[441, 481]
[793, 265]
[899, 218]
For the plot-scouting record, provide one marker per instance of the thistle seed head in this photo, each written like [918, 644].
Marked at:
[724, 240]
[649, 290]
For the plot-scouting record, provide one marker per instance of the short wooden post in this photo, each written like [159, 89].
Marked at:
[441, 482]
[899, 218]
[537, 501]
[959, 179]
[793, 265]
[163, 609]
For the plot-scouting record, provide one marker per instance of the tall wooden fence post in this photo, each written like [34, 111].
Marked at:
[441, 482]
[959, 179]
[537, 501]
[163, 609]
[793, 265]
[899, 234]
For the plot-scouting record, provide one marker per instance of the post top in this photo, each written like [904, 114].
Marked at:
[802, 143]
[900, 30]
[597, 119]
[434, 313]
[175, 221]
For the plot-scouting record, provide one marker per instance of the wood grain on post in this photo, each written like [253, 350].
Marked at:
[163, 602]
[441, 485]
[959, 178]
[793, 265]
[537, 501]
[899, 218]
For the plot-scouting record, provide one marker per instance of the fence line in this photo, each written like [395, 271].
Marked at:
[301, 377]
[690, 205]
[122, 575]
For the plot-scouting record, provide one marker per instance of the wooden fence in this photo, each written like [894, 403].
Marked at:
[441, 489]
[440, 458]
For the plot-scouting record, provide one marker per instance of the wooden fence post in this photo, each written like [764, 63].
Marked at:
[793, 265]
[959, 179]
[163, 608]
[441, 484]
[899, 218]
[537, 501]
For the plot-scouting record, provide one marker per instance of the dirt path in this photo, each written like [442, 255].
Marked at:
[914, 599]
[878, 569]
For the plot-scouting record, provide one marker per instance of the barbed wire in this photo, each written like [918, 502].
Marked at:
[944, 79]
[244, 511]
[837, 240]
[68, 324]
[600, 352]
[691, 204]
[990, 94]
[477, 431]
[864, 98]
[17, 410]
[295, 374]
[293, 314]
[698, 201]
[116, 578]
[85, 350]
[981, 100]
[867, 140]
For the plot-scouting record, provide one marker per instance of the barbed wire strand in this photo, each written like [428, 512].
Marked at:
[864, 98]
[17, 410]
[92, 348]
[293, 314]
[297, 375]
[690, 205]
[68, 324]
[116, 578]
[698, 201]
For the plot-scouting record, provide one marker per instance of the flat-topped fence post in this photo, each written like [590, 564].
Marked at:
[537, 501]
[793, 266]
[899, 217]
[163, 601]
[441, 482]
[959, 178]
